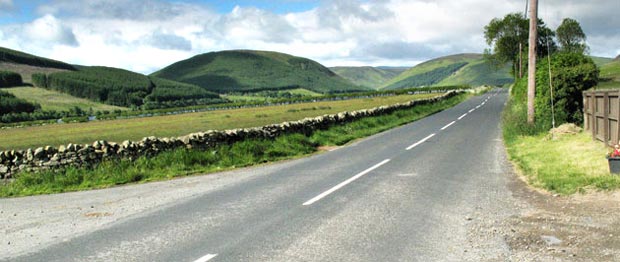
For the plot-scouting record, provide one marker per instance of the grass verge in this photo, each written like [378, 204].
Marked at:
[184, 162]
[570, 164]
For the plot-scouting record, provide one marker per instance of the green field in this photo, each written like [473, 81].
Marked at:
[177, 125]
[54, 100]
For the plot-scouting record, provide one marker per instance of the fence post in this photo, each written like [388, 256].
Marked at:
[606, 108]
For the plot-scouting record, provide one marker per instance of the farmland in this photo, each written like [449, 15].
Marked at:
[177, 125]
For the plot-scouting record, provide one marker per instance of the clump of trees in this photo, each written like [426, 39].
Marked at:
[11, 104]
[124, 88]
[10, 79]
[564, 66]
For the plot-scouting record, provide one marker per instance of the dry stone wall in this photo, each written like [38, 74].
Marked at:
[44, 158]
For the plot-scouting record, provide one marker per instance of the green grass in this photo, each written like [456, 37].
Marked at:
[54, 100]
[184, 162]
[178, 125]
[610, 75]
[251, 71]
[570, 164]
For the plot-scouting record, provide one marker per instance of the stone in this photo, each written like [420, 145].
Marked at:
[39, 153]
[62, 149]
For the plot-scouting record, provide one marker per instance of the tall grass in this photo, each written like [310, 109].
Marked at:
[183, 162]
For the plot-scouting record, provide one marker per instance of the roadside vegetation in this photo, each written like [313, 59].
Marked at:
[185, 162]
[563, 164]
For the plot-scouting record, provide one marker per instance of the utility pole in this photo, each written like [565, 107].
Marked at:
[531, 76]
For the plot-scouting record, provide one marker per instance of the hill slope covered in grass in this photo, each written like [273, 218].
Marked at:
[610, 74]
[17, 57]
[461, 69]
[120, 87]
[252, 71]
[366, 76]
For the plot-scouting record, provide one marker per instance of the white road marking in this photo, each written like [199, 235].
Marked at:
[472, 110]
[464, 115]
[420, 142]
[448, 125]
[344, 183]
[206, 258]
[478, 106]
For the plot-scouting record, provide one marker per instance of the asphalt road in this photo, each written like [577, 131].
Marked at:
[403, 195]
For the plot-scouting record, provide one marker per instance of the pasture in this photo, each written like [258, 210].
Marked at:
[182, 124]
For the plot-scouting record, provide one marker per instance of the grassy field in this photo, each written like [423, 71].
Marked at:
[184, 162]
[569, 164]
[54, 100]
[177, 125]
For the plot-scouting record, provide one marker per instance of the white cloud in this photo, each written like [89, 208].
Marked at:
[6, 5]
[134, 35]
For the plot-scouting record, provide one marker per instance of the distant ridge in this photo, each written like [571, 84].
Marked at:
[253, 71]
[460, 69]
[17, 57]
[372, 77]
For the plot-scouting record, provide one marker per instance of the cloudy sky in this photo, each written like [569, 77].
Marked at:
[146, 35]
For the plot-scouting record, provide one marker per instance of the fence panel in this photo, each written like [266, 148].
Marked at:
[601, 109]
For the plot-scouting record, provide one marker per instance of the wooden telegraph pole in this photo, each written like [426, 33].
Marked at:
[531, 76]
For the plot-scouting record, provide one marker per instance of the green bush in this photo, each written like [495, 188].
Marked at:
[10, 79]
[9, 104]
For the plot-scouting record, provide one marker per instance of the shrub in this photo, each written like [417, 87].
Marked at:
[10, 79]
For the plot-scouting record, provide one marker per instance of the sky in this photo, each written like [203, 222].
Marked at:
[147, 35]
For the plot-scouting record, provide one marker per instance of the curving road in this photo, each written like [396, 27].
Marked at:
[408, 194]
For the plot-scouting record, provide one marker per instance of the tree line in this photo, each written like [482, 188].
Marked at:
[124, 88]
[10, 79]
[564, 66]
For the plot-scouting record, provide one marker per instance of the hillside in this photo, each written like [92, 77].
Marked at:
[461, 69]
[27, 64]
[610, 74]
[371, 77]
[57, 101]
[251, 71]
[601, 61]
[124, 88]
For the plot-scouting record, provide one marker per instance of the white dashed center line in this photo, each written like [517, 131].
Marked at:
[420, 142]
[448, 125]
[206, 258]
[464, 115]
[344, 183]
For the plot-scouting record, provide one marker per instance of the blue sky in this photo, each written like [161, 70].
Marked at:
[146, 35]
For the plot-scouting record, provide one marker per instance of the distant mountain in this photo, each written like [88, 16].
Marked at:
[372, 77]
[253, 71]
[461, 69]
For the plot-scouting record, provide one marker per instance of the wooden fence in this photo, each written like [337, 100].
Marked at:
[601, 109]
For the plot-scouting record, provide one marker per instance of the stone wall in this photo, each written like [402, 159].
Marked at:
[43, 158]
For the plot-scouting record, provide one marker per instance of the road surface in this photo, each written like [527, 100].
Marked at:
[408, 194]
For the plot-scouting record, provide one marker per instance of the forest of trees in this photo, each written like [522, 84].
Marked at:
[124, 88]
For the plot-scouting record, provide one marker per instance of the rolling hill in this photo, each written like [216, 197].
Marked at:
[252, 71]
[121, 87]
[27, 64]
[367, 76]
[461, 69]
[610, 74]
